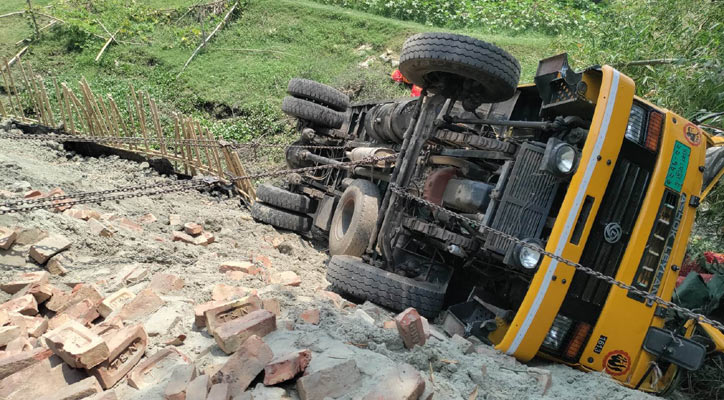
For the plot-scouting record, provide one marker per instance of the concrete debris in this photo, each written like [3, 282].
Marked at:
[401, 383]
[329, 382]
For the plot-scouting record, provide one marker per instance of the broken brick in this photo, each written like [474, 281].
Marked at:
[58, 265]
[32, 326]
[285, 324]
[80, 390]
[337, 300]
[22, 280]
[106, 395]
[41, 291]
[463, 344]
[310, 316]
[219, 391]
[179, 380]
[410, 326]
[147, 219]
[31, 194]
[145, 303]
[79, 293]
[402, 383]
[18, 345]
[129, 225]
[286, 278]
[98, 228]
[7, 237]
[389, 324]
[222, 292]
[48, 247]
[165, 283]
[263, 260]
[26, 305]
[157, 368]
[9, 333]
[29, 235]
[131, 274]
[197, 388]
[115, 302]
[193, 229]
[330, 382]
[9, 364]
[77, 345]
[243, 266]
[204, 239]
[200, 310]
[244, 365]
[230, 335]
[174, 219]
[83, 214]
[272, 305]
[84, 312]
[286, 367]
[179, 236]
[235, 275]
[230, 310]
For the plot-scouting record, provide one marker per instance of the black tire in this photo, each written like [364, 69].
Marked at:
[354, 219]
[318, 93]
[285, 199]
[280, 218]
[352, 276]
[312, 112]
[426, 57]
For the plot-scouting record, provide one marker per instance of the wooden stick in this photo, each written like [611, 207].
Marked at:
[105, 46]
[46, 101]
[203, 43]
[32, 16]
[179, 146]
[156, 124]
[94, 123]
[59, 95]
[15, 90]
[192, 135]
[36, 88]
[120, 121]
[215, 152]
[141, 117]
[10, 94]
[29, 88]
[2, 110]
[129, 107]
[107, 117]
[16, 57]
[206, 148]
[68, 108]
[83, 116]
[12, 13]
[189, 153]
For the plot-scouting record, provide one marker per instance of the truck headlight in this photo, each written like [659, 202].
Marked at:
[560, 158]
[526, 257]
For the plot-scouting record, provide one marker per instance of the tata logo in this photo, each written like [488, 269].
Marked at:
[612, 232]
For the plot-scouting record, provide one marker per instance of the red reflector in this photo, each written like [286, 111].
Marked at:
[578, 340]
[653, 133]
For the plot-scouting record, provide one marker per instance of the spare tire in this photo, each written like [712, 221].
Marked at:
[427, 59]
[318, 93]
[355, 218]
[312, 112]
[285, 199]
[279, 218]
[352, 276]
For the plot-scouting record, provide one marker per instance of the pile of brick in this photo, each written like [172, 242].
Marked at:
[192, 233]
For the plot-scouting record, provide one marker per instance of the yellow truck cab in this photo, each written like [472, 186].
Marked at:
[653, 160]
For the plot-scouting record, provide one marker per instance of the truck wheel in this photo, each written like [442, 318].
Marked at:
[312, 112]
[285, 199]
[354, 219]
[428, 58]
[352, 276]
[279, 218]
[318, 93]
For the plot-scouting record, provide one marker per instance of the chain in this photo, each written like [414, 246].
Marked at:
[104, 195]
[141, 141]
[346, 164]
[598, 275]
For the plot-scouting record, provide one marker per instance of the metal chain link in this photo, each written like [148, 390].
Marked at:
[141, 141]
[598, 275]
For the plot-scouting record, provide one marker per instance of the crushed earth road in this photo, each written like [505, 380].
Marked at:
[170, 297]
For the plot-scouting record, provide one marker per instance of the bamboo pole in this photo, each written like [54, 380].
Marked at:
[68, 109]
[156, 124]
[15, 90]
[2, 110]
[192, 136]
[105, 46]
[121, 122]
[141, 116]
[59, 95]
[179, 144]
[32, 16]
[112, 130]
[206, 40]
[199, 134]
[33, 95]
[215, 152]
[132, 121]
[189, 152]
[83, 115]
[10, 94]
[46, 101]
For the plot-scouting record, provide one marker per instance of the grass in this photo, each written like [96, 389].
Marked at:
[241, 77]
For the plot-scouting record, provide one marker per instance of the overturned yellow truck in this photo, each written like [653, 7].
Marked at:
[548, 219]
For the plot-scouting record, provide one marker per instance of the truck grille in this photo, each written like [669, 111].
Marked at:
[604, 248]
[526, 200]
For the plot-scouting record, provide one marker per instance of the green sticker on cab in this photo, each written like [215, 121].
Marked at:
[678, 166]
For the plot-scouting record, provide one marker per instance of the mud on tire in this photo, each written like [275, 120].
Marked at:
[427, 57]
[318, 93]
[280, 218]
[352, 276]
[354, 219]
[312, 112]
[285, 199]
